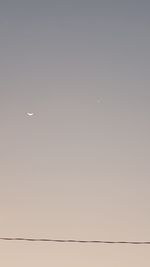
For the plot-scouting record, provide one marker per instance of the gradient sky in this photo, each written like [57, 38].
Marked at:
[79, 168]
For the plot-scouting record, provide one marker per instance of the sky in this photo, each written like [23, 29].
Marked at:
[79, 167]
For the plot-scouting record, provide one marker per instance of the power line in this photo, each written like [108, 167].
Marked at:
[73, 241]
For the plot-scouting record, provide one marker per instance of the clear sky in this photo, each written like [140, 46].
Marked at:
[78, 168]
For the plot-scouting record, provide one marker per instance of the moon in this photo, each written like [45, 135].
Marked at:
[30, 114]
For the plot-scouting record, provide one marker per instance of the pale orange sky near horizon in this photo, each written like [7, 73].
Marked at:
[78, 168]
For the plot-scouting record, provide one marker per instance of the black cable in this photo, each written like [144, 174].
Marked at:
[73, 241]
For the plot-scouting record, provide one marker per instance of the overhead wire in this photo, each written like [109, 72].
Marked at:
[73, 241]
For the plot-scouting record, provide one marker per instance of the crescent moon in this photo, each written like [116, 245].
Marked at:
[30, 114]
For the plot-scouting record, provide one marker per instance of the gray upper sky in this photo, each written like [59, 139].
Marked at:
[78, 168]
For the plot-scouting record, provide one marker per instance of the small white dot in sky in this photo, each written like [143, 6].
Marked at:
[99, 100]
